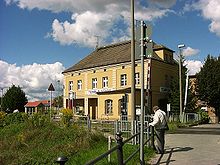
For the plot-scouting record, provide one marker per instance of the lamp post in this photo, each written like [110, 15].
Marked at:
[180, 46]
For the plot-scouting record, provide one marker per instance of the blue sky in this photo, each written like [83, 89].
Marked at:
[38, 35]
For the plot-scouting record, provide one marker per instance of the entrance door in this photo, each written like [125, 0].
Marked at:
[93, 112]
[93, 107]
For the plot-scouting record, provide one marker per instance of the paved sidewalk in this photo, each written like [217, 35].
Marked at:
[199, 145]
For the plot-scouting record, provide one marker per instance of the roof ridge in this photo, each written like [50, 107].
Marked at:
[114, 44]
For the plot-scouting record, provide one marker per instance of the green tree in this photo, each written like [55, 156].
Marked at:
[174, 97]
[191, 102]
[13, 99]
[208, 82]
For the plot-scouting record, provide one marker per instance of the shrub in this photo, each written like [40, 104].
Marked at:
[204, 117]
[13, 118]
[2, 117]
[67, 115]
[38, 120]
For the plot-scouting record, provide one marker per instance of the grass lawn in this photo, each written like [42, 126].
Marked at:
[24, 143]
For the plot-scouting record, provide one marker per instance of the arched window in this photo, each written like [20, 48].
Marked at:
[108, 107]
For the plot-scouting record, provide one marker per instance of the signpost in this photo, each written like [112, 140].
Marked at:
[51, 89]
[145, 48]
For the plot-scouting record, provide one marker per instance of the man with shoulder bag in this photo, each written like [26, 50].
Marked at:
[160, 124]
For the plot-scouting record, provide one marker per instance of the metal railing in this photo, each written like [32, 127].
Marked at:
[119, 148]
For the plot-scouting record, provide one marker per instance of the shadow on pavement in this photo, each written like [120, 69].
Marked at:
[179, 149]
[194, 130]
[169, 154]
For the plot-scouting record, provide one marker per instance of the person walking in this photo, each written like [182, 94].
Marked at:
[160, 124]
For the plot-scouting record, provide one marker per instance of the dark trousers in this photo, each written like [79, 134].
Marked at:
[160, 140]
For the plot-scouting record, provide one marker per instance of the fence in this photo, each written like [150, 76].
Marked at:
[120, 127]
[124, 126]
[188, 117]
[119, 148]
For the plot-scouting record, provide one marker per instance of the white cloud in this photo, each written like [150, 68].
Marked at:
[210, 9]
[163, 3]
[33, 79]
[91, 18]
[193, 66]
[190, 51]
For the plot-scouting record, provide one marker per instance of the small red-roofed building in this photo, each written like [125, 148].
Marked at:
[37, 106]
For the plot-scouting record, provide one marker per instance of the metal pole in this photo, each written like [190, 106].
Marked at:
[142, 97]
[119, 140]
[133, 104]
[50, 103]
[186, 93]
[180, 83]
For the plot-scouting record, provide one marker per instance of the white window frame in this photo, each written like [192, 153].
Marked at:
[70, 85]
[108, 107]
[94, 83]
[79, 84]
[105, 82]
[137, 78]
[123, 79]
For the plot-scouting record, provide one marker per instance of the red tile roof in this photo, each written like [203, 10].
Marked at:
[37, 103]
[33, 104]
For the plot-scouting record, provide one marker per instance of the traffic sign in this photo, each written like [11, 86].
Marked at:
[51, 88]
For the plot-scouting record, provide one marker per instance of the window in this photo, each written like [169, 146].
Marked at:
[79, 84]
[94, 83]
[105, 82]
[70, 85]
[123, 79]
[108, 107]
[137, 78]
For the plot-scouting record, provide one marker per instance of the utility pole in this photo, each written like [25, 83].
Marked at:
[186, 93]
[133, 102]
[142, 96]
[181, 46]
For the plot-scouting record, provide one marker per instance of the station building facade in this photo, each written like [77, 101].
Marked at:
[100, 84]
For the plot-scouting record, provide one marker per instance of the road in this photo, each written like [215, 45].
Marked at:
[198, 145]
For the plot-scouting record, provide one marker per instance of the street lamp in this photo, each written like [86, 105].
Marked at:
[180, 46]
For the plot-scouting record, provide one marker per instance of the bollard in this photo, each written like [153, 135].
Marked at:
[62, 160]
[119, 140]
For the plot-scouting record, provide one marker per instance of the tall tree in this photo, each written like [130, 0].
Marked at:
[174, 97]
[13, 99]
[191, 102]
[208, 82]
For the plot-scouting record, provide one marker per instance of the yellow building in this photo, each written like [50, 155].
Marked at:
[99, 84]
